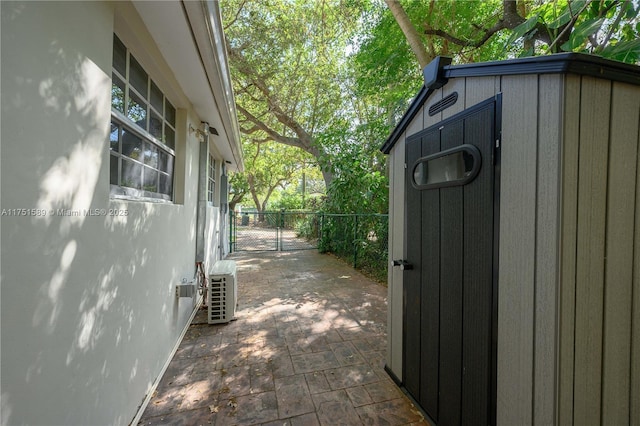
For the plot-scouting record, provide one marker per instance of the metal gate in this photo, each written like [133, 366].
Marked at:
[274, 231]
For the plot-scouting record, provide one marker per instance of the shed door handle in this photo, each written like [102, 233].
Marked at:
[403, 264]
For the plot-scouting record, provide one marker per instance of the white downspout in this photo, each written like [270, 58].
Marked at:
[224, 212]
[201, 216]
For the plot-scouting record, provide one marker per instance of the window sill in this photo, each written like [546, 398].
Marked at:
[130, 194]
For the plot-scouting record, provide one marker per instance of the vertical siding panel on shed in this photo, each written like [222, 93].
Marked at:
[397, 207]
[479, 89]
[566, 338]
[634, 396]
[550, 97]
[428, 120]
[451, 289]
[477, 291]
[517, 250]
[396, 251]
[623, 153]
[412, 284]
[454, 85]
[592, 198]
[416, 125]
[428, 272]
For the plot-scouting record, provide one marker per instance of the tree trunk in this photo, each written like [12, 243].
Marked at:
[234, 201]
[410, 32]
[328, 178]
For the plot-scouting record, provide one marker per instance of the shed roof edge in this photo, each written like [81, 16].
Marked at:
[562, 63]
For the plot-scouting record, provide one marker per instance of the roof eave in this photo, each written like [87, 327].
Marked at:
[206, 22]
[195, 52]
[563, 63]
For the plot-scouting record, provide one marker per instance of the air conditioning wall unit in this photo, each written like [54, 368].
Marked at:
[223, 292]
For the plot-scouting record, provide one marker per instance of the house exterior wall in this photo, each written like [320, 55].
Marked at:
[88, 306]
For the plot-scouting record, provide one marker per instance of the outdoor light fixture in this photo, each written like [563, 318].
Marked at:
[212, 130]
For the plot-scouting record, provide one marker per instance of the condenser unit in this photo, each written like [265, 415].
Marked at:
[223, 292]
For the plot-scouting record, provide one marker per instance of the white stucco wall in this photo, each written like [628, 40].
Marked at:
[88, 308]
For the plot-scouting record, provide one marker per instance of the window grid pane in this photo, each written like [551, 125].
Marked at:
[138, 160]
[131, 145]
[131, 174]
[138, 77]
[114, 138]
[137, 110]
[139, 164]
[151, 155]
[117, 93]
[150, 180]
[155, 126]
[119, 56]
[169, 136]
[156, 98]
[166, 186]
[170, 113]
[115, 172]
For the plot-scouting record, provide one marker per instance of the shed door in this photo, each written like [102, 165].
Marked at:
[450, 284]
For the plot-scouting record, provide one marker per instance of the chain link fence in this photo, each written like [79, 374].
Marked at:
[253, 231]
[360, 239]
[274, 230]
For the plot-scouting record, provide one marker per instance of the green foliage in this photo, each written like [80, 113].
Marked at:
[358, 190]
[605, 28]
[334, 77]
[360, 239]
[522, 29]
[360, 182]
[385, 71]
[294, 50]
[289, 199]
[294, 78]
[271, 166]
[308, 227]
[238, 189]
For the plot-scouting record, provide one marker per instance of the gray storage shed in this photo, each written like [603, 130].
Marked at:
[514, 295]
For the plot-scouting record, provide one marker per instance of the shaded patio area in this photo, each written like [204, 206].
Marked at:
[307, 348]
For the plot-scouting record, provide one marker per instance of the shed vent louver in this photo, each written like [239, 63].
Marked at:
[443, 104]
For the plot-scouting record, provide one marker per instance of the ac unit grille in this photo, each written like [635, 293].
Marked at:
[223, 294]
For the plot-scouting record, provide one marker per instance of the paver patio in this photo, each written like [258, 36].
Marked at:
[307, 348]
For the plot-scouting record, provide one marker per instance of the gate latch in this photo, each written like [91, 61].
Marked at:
[403, 264]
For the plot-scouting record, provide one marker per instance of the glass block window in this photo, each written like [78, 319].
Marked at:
[142, 137]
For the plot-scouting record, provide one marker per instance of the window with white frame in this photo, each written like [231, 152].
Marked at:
[143, 131]
[211, 187]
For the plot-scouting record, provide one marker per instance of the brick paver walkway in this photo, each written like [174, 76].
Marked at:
[308, 348]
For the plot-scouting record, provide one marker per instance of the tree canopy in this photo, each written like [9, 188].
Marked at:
[332, 77]
[463, 29]
[287, 60]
